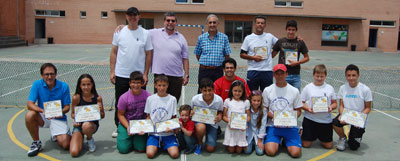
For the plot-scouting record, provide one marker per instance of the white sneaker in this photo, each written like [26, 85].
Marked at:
[341, 144]
[115, 133]
[91, 145]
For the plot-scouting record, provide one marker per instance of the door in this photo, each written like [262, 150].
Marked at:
[398, 41]
[373, 33]
[40, 28]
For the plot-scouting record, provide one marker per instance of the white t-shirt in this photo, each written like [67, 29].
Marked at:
[161, 109]
[131, 55]
[355, 98]
[236, 106]
[261, 43]
[216, 104]
[310, 91]
[281, 99]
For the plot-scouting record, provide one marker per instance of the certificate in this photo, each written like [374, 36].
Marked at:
[87, 113]
[320, 104]
[262, 51]
[204, 115]
[285, 118]
[238, 120]
[354, 117]
[290, 55]
[136, 126]
[52, 109]
[171, 124]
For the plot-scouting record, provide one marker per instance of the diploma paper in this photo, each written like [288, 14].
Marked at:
[290, 55]
[320, 104]
[52, 109]
[87, 113]
[171, 124]
[204, 115]
[136, 126]
[262, 51]
[238, 120]
[285, 118]
[354, 117]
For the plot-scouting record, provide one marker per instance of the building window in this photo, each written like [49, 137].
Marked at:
[334, 35]
[237, 30]
[83, 14]
[189, 1]
[50, 13]
[382, 23]
[289, 3]
[104, 14]
[147, 23]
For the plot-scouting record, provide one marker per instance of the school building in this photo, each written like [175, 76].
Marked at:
[323, 24]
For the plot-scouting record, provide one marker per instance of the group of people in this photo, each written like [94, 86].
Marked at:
[165, 51]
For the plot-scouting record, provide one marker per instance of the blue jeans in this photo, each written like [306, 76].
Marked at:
[259, 79]
[185, 142]
[294, 80]
[250, 148]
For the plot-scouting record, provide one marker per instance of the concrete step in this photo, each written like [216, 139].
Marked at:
[8, 38]
[375, 50]
[11, 41]
[23, 43]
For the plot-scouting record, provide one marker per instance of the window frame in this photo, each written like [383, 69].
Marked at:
[288, 4]
[382, 23]
[50, 13]
[102, 14]
[189, 2]
[81, 16]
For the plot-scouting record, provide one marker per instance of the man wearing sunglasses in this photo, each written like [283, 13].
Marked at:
[131, 51]
[170, 53]
[211, 50]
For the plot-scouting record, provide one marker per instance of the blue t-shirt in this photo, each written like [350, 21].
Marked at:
[41, 93]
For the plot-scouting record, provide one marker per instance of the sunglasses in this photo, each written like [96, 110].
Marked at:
[212, 22]
[49, 74]
[170, 20]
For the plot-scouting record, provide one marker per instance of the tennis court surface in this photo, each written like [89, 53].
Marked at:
[20, 67]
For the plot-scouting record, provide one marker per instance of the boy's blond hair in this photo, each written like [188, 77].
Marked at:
[320, 68]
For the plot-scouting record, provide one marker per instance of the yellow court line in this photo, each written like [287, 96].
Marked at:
[17, 142]
[330, 152]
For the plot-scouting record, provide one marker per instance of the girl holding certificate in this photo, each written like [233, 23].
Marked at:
[235, 139]
[85, 94]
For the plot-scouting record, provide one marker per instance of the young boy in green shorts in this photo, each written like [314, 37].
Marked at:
[131, 107]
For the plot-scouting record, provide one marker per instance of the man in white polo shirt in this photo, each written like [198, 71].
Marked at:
[131, 51]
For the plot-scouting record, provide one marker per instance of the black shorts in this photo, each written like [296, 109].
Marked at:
[313, 130]
[355, 132]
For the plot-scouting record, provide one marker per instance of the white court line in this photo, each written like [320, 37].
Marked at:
[398, 119]
[183, 157]
[398, 99]
[18, 74]
[31, 85]
[32, 71]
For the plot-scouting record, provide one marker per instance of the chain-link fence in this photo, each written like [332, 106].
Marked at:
[16, 79]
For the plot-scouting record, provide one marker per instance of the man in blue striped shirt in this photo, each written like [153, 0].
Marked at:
[211, 50]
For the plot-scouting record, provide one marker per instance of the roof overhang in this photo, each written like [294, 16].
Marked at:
[251, 14]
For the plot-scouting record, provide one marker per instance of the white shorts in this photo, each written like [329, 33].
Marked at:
[57, 127]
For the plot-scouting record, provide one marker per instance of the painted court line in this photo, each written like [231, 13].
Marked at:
[17, 142]
[387, 114]
[18, 74]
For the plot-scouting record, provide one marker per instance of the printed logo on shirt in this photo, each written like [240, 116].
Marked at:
[280, 103]
[351, 96]
[159, 114]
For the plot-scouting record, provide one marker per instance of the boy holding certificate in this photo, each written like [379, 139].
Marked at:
[319, 99]
[53, 95]
[161, 107]
[284, 104]
[131, 106]
[354, 96]
[289, 49]
[209, 100]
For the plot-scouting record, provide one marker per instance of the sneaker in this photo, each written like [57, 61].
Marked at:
[35, 148]
[115, 133]
[188, 151]
[197, 150]
[53, 138]
[91, 145]
[341, 144]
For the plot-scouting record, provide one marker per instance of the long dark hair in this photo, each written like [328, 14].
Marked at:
[240, 84]
[260, 109]
[78, 89]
